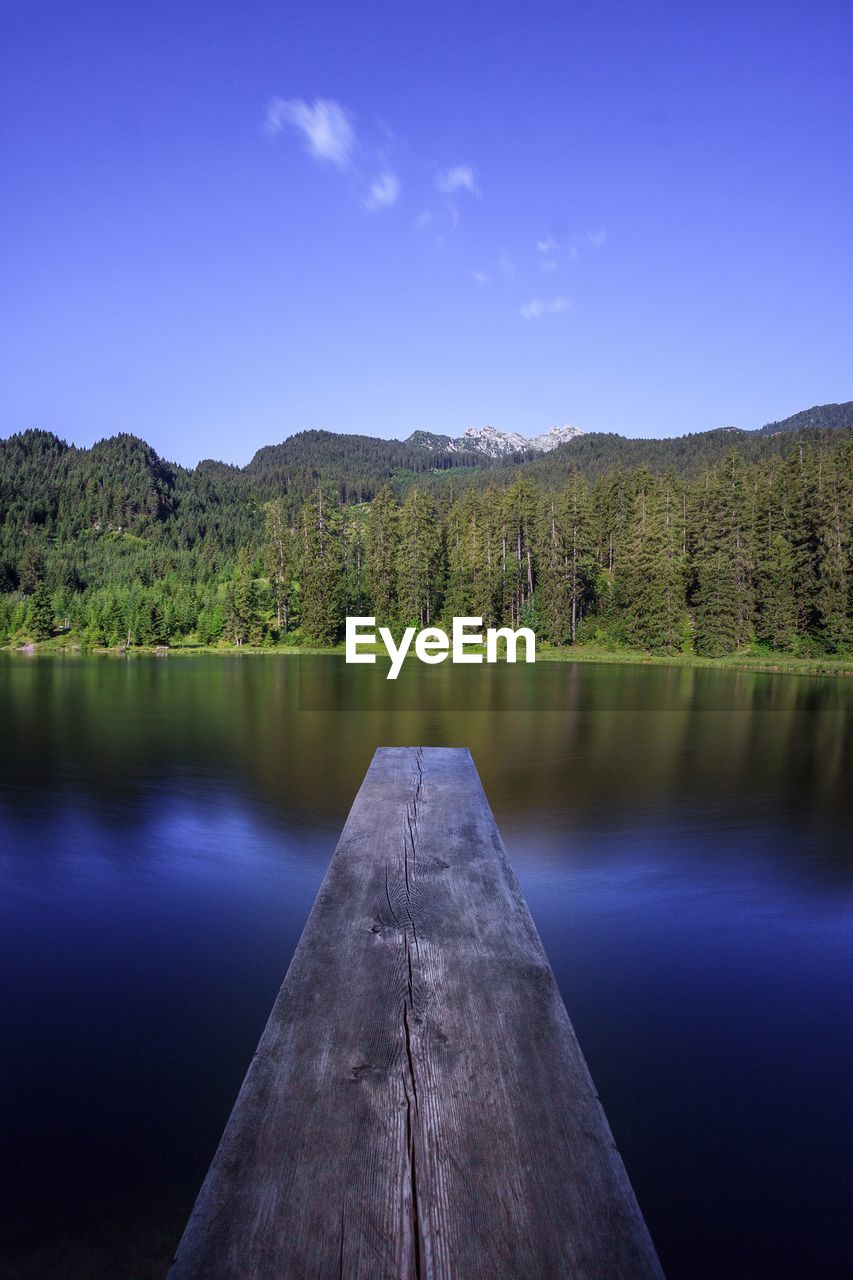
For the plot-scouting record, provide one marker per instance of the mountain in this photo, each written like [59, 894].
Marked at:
[492, 443]
[553, 437]
[821, 417]
[356, 465]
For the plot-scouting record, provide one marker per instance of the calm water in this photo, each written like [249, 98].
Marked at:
[683, 839]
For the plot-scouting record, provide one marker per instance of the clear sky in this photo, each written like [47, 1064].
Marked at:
[221, 223]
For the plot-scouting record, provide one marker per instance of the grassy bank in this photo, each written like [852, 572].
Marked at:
[754, 659]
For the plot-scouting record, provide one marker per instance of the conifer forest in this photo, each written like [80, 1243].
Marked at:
[709, 544]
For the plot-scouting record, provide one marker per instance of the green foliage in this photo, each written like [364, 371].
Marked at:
[281, 561]
[566, 561]
[381, 555]
[650, 573]
[41, 612]
[418, 559]
[322, 569]
[652, 544]
[243, 612]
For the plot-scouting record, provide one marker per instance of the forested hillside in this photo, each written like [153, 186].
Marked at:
[822, 417]
[711, 542]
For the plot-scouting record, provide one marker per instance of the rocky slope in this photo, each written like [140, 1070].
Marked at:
[493, 443]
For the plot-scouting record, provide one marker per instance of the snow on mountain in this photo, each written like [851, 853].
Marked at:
[554, 436]
[494, 443]
[430, 440]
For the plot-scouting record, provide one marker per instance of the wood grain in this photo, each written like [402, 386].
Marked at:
[418, 1106]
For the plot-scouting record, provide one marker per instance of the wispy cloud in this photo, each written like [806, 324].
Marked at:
[506, 266]
[548, 250]
[536, 308]
[384, 190]
[482, 277]
[324, 125]
[595, 239]
[460, 178]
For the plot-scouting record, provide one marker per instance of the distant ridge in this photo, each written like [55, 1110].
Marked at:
[493, 443]
[121, 481]
[821, 417]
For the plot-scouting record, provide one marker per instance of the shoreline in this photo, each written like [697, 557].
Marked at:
[770, 664]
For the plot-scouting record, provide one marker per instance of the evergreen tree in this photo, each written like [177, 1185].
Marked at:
[31, 567]
[777, 615]
[280, 560]
[243, 613]
[651, 568]
[717, 611]
[469, 591]
[566, 561]
[41, 612]
[211, 624]
[834, 579]
[322, 569]
[724, 551]
[382, 555]
[418, 556]
[355, 550]
[518, 531]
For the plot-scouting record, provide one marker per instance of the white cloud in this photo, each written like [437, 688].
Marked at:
[324, 125]
[536, 308]
[595, 239]
[459, 178]
[549, 249]
[425, 219]
[482, 277]
[384, 190]
[506, 265]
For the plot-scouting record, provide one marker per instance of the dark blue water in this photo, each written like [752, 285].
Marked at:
[684, 842]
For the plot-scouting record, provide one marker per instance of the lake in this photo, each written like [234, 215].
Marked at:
[682, 836]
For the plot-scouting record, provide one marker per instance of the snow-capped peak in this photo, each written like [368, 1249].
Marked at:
[494, 443]
[554, 436]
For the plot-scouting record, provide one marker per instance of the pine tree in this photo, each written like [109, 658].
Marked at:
[802, 479]
[777, 615]
[552, 581]
[243, 611]
[382, 555]
[579, 554]
[723, 554]
[518, 531]
[651, 572]
[832, 597]
[469, 582]
[418, 556]
[280, 560]
[41, 612]
[612, 508]
[717, 607]
[355, 549]
[322, 569]
[31, 566]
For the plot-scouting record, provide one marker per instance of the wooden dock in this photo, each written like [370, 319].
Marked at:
[418, 1107]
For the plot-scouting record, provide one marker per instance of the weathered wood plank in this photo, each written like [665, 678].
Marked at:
[418, 1105]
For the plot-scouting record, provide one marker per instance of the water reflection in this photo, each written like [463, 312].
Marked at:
[683, 840]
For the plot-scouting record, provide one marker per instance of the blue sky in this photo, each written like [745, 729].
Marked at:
[223, 223]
